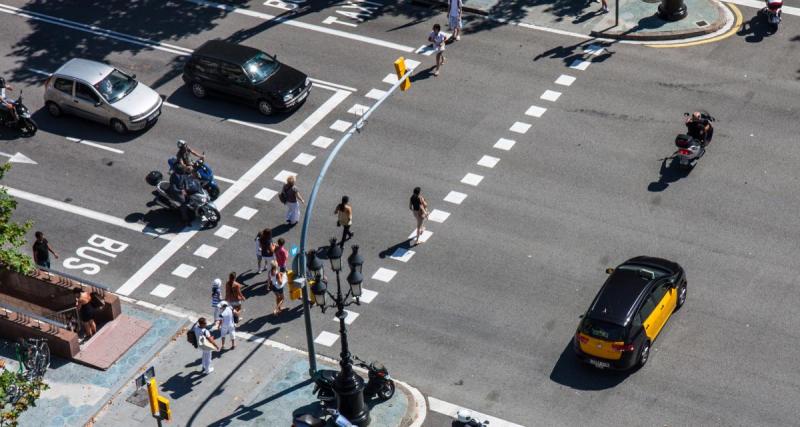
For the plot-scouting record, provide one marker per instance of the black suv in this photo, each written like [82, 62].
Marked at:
[245, 74]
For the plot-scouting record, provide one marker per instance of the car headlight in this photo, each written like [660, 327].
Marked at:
[287, 97]
[308, 82]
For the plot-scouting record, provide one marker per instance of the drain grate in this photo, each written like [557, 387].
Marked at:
[701, 23]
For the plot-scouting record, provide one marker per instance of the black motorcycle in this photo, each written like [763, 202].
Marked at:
[380, 383]
[24, 123]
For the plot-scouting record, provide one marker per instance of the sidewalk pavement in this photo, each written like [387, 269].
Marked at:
[261, 382]
[637, 18]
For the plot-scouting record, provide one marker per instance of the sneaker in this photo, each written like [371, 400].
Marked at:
[458, 37]
[605, 9]
[210, 370]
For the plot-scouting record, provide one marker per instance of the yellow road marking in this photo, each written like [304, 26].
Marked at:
[735, 28]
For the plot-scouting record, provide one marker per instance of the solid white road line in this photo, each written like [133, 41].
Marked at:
[221, 179]
[66, 207]
[334, 85]
[95, 145]
[241, 184]
[305, 26]
[93, 29]
[450, 410]
[255, 126]
[789, 10]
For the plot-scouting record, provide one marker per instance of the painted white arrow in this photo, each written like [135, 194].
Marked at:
[18, 158]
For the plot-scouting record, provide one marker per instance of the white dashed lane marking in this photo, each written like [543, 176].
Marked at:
[520, 127]
[266, 194]
[184, 271]
[162, 290]
[384, 275]
[245, 213]
[504, 144]
[535, 111]
[95, 145]
[358, 109]
[375, 94]
[367, 295]
[326, 338]
[488, 161]
[402, 255]
[349, 317]
[550, 95]
[283, 175]
[205, 251]
[580, 64]
[455, 197]
[225, 232]
[423, 237]
[565, 80]
[472, 179]
[322, 142]
[438, 216]
[304, 159]
[390, 78]
[340, 125]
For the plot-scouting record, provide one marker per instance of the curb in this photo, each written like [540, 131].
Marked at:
[669, 35]
[442, 4]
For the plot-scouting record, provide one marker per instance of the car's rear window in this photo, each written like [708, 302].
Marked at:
[603, 330]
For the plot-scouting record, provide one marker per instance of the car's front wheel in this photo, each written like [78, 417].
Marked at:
[644, 353]
[681, 295]
[265, 107]
[118, 126]
[198, 90]
[53, 109]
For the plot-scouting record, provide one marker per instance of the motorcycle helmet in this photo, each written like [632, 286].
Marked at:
[181, 143]
[463, 416]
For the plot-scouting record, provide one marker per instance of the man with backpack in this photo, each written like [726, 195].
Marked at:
[200, 337]
[292, 199]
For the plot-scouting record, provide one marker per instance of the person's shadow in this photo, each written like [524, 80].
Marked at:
[670, 172]
[422, 74]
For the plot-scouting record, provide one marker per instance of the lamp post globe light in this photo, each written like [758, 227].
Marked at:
[348, 386]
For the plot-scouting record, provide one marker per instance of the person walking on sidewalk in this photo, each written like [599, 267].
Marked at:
[293, 200]
[233, 292]
[227, 324]
[344, 218]
[277, 281]
[42, 251]
[454, 19]
[281, 254]
[419, 206]
[203, 334]
[438, 39]
[265, 248]
[216, 296]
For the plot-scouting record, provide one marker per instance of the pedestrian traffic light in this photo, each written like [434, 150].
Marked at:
[163, 409]
[400, 69]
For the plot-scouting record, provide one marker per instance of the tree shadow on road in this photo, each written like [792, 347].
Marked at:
[569, 371]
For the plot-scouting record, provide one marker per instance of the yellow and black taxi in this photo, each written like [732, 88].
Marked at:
[628, 313]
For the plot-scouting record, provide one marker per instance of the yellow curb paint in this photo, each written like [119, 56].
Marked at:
[734, 29]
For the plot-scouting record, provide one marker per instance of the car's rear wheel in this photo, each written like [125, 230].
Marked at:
[681, 295]
[644, 354]
[118, 126]
[265, 107]
[53, 109]
[198, 90]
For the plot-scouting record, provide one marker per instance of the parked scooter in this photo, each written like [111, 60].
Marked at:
[691, 148]
[204, 174]
[198, 204]
[464, 418]
[380, 383]
[773, 13]
[323, 385]
[24, 122]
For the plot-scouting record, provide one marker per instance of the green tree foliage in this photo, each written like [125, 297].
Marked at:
[17, 394]
[12, 234]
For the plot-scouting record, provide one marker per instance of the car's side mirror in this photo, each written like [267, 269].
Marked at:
[133, 76]
[609, 270]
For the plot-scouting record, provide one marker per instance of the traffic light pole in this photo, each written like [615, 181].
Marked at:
[359, 124]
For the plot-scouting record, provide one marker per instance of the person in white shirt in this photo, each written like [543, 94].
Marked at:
[454, 18]
[226, 324]
[200, 330]
[438, 39]
[277, 280]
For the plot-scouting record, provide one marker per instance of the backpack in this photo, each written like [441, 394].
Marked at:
[191, 336]
[282, 196]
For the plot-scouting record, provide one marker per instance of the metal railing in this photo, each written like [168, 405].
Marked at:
[71, 281]
[68, 317]
[38, 321]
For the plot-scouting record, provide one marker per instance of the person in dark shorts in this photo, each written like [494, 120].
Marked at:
[86, 311]
[419, 206]
[42, 251]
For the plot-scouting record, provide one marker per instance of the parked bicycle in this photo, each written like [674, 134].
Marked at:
[34, 355]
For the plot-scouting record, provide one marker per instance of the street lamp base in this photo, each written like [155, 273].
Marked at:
[349, 392]
[672, 10]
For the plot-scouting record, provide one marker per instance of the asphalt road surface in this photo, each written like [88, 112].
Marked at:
[541, 176]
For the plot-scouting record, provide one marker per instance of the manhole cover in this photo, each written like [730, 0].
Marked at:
[701, 23]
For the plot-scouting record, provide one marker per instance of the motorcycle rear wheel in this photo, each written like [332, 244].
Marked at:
[386, 391]
[28, 127]
[210, 215]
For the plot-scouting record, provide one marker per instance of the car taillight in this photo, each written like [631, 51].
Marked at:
[581, 338]
[622, 347]
[684, 152]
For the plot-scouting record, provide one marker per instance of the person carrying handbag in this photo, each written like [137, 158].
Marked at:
[206, 343]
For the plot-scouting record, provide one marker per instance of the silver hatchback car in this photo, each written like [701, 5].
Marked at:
[102, 93]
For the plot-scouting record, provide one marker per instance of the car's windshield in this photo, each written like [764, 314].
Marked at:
[603, 330]
[260, 67]
[115, 86]
[657, 272]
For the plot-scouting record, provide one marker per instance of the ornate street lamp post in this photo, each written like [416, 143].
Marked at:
[348, 386]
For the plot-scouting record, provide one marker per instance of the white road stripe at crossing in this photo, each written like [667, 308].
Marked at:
[94, 144]
[255, 126]
[789, 10]
[88, 213]
[303, 25]
[334, 85]
[228, 180]
[450, 410]
[241, 184]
